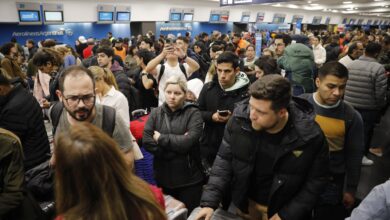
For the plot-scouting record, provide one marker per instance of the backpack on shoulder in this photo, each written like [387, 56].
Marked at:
[162, 70]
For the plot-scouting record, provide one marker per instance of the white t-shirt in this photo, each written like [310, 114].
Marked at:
[118, 101]
[168, 72]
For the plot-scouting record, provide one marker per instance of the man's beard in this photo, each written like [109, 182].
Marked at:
[86, 113]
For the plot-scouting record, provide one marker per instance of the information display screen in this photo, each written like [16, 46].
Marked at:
[175, 16]
[29, 16]
[123, 16]
[106, 16]
[188, 17]
[214, 17]
[245, 18]
[53, 16]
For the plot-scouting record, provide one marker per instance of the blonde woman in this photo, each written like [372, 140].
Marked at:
[107, 92]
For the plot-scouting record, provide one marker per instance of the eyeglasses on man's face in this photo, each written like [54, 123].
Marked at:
[88, 99]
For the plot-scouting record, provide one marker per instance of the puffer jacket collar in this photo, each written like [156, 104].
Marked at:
[301, 114]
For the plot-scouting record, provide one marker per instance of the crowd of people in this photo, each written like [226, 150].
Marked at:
[279, 136]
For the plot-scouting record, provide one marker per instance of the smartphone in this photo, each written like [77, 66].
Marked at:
[223, 113]
[168, 41]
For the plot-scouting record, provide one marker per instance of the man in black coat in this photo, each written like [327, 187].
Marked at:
[21, 114]
[228, 87]
[273, 154]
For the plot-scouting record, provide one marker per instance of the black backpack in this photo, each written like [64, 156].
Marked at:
[109, 115]
[162, 70]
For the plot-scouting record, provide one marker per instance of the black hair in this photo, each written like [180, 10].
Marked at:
[373, 49]
[285, 37]
[274, 88]
[75, 71]
[201, 45]
[203, 35]
[145, 55]
[6, 48]
[106, 50]
[131, 48]
[216, 48]
[352, 47]
[386, 39]
[185, 40]
[148, 41]
[45, 55]
[333, 68]
[31, 41]
[229, 57]
[268, 65]
[318, 37]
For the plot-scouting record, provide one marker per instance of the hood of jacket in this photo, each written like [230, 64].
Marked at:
[186, 105]
[301, 114]
[116, 67]
[242, 80]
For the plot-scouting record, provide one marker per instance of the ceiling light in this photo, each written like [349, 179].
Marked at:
[335, 11]
[349, 9]
[314, 4]
[309, 2]
[386, 6]
[292, 6]
[347, 2]
[377, 0]
[356, 8]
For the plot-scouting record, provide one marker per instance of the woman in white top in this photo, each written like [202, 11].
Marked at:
[107, 92]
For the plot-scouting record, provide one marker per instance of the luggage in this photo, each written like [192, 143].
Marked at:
[175, 209]
[219, 214]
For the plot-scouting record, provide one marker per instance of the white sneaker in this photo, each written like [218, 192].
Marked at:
[366, 161]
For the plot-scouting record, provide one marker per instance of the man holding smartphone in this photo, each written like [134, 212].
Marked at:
[171, 54]
[216, 102]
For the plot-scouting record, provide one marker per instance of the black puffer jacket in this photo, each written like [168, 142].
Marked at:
[213, 98]
[175, 162]
[20, 113]
[125, 87]
[300, 169]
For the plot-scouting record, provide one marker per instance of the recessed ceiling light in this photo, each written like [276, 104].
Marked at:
[314, 4]
[335, 11]
[347, 2]
[356, 8]
[386, 6]
[309, 2]
[378, 0]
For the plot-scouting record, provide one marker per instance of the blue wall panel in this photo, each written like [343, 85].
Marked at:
[195, 28]
[65, 33]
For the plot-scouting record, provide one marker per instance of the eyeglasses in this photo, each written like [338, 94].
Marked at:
[75, 100]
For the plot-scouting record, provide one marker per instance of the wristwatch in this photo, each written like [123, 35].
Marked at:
[144, 74]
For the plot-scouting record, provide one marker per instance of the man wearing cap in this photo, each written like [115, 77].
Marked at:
[81, 44]
[119, 50]
[87, 52]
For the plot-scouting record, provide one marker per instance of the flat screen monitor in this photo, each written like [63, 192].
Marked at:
[344, 21]
[123, 16]
[369, 22]
[224, 18]
[245, 18]
[278, 20]
[214, 17]
[188, 17]
[54, 16]
[175, 16]
[360, 21]
[352, 21]
[316, 20]
[29, 16]
[106, 16]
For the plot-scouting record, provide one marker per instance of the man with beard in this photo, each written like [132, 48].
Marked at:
[77, 97]
[273, 155]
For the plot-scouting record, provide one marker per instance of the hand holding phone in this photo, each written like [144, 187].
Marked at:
[223, 113]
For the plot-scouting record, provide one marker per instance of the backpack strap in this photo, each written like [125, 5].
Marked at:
[109, 117]
[162, 69]
[183, 69]
[349, 113]
[55, 115]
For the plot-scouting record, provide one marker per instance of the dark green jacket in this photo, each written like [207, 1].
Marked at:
[11, 172]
